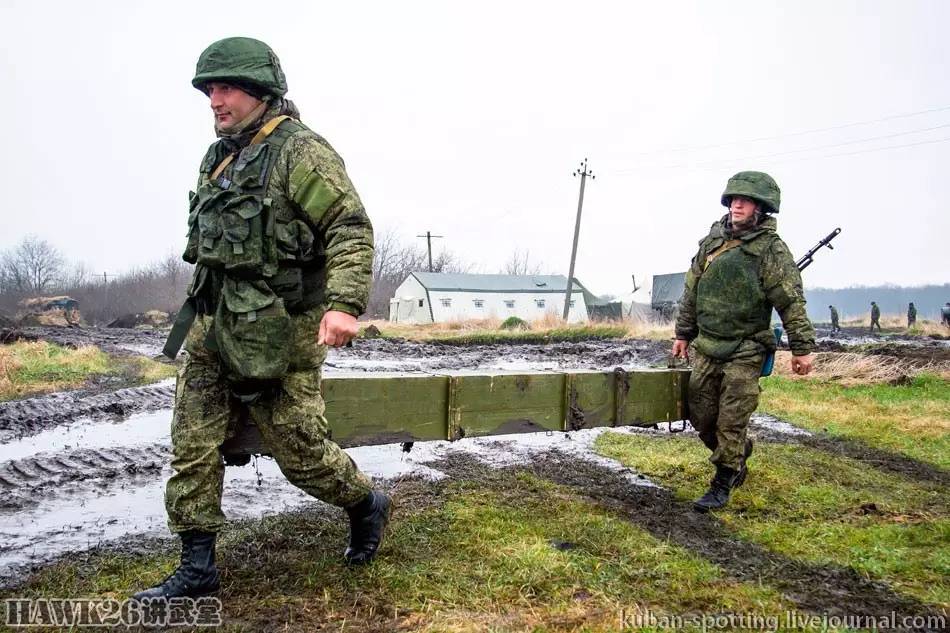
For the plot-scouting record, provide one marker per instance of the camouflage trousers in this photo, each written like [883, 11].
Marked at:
[289, 414]
[722, 397]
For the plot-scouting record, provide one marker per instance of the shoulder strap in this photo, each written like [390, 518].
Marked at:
[262, 134]
[726, 246]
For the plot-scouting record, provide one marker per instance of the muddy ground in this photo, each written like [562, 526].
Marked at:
[85, 469]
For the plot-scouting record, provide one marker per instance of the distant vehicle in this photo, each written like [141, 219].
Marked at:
[54, 311]
[667, 291]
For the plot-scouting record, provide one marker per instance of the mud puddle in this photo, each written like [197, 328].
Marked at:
[120, 341]
[61, 496]
[389, 355]
[19, 418]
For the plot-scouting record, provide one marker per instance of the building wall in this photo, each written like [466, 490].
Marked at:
[484, 305]
[410, 303]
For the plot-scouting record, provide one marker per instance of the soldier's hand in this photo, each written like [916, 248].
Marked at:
[337, 328]
[680, 349]
[802, 365]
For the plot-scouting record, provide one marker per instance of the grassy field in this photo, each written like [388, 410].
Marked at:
[510, 552]
[911, 418]
[536, 549]
[30, 368]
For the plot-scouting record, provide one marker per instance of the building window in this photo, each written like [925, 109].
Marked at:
[509, 303]
[479, 303]
[572, 303]
[446, 303]
[539, 303]
[422, 303]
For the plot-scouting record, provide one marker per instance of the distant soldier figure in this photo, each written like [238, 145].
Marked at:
[945, 314]
[834, 319]
[911, 315]
[742, 271]
[875, 317]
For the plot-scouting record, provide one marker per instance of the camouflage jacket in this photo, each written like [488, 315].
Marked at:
[308, 181]
[727, 303]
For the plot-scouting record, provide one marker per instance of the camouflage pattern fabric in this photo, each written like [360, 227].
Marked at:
[290, 416]
[722, 397]
[911, 315]
[834, 319]
[726, 311]
[307, 183]
[740, 288]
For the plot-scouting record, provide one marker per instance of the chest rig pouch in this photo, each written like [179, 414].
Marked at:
[232, 238]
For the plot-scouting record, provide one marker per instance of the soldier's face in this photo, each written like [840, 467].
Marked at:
[742, 209]
[229, 104]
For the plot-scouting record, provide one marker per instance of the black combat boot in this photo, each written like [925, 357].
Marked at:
[740, 478]
[718, 494]
[196, 576]
[368, 520]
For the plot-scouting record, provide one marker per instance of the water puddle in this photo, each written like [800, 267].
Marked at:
[142, 428]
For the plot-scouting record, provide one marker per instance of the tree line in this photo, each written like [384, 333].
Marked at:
[34, 267]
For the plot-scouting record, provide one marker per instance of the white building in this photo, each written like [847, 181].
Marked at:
[440, 297]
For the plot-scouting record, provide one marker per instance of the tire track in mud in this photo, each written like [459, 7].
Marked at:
[119, 341]
[883, 460]
[19, 418]
[820, 589]
[25, 482]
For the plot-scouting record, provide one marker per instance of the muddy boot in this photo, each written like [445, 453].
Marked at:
[368, 520]
[196, 576]
[718, 494]
[740, 478]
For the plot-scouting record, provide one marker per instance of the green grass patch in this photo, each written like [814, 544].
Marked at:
[516, 553]
[812, 506]
[30, 368]
[911, 419]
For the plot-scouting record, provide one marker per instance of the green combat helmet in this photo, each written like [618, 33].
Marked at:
[756, 185]
[241, 61]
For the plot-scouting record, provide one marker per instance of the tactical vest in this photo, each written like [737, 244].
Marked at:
[257, 258]
[731, 305]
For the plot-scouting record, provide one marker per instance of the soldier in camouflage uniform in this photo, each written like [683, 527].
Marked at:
[834, 319]
[875, 317]
[742, 271]
[283, 251]
[911, 315]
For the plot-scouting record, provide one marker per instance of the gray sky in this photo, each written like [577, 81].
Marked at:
[468, 119]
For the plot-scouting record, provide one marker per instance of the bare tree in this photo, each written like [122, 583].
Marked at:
[394, 260]
[519, 263]
[33, 266]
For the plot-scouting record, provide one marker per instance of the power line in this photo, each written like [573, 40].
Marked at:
[793, 160]
[719, 161]
[792, 134]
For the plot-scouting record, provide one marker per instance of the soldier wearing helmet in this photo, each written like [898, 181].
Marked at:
[741, 272]
[283, 252]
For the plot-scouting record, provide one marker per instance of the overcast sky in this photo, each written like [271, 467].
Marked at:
[468, 119]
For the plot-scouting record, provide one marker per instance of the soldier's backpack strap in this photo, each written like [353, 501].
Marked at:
[726, 246]
[262, 134]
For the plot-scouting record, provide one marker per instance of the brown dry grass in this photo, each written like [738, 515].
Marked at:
[550, 323]
[893, 321]
[854, 369]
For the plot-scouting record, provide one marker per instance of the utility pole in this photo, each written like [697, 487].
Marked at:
[584, 173]
[429, 237]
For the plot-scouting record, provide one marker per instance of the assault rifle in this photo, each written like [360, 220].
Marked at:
[807, 258]
[802, 264]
